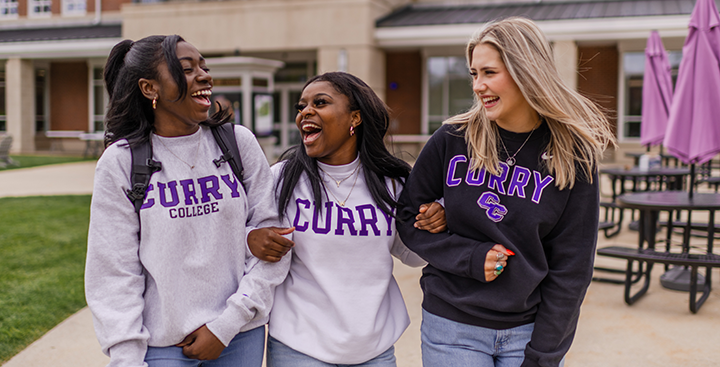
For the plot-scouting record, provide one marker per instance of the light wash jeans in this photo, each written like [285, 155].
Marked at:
[280, 355]
[446, 343]
[245, 350]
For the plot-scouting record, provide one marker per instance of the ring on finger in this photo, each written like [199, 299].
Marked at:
[498, 266]
[500, 255]
[498, 272]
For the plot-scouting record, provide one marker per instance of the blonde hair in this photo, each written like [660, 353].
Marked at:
[580, 132]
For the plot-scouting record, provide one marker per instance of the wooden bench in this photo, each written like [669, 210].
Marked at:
[650, 256]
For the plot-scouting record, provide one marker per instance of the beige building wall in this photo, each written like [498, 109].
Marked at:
[327, 27]
[20, 102]
[566, 61]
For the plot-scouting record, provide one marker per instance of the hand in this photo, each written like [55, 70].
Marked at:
[431, 218]
[493, 259]
[201, 344]
[269, 244]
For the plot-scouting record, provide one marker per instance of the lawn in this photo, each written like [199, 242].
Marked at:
[42, 261]
[26, 161]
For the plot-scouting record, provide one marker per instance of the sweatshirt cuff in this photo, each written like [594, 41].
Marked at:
[228, 325]
[128, 354]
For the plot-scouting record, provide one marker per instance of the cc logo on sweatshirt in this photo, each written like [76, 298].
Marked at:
[491, 203]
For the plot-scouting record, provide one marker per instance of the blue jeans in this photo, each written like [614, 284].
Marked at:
[245, 350]
[446, 343]
[280, 355]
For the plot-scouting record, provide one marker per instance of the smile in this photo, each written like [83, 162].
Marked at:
[490, 101]
[310, 132]
[202, 96]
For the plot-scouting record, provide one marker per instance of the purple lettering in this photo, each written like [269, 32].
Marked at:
[452, 167]
[342, 219]
[189, 191]
[520, 179]
[173, 213]
[364, 222]
[476, 177]
[328, 218]
[540, 185]
[496, 182]
[209, 185]
[388, 219]
[149, 202]
[296, 222]
[231, 183]
[172, 185]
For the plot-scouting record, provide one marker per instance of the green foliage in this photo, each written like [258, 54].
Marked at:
[42, 261]
[25, 161]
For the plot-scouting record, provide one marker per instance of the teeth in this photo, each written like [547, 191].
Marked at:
[489, 99]
[204, 92]
[310, 127]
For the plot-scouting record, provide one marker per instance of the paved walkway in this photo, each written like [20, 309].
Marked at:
[658, 330]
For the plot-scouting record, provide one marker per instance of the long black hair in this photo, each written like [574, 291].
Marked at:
[377, 161]
[130, 114]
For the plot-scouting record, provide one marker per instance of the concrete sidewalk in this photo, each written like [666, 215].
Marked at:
[658, 330]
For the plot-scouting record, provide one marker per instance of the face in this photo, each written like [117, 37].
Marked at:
[182, 117]
[324, 119]
[500, 95]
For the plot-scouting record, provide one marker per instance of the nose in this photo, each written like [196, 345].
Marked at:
[205, 76]
[479, 86]
[306, 111]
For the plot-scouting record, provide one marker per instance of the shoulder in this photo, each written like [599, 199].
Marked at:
[118, 153]
[243, 134]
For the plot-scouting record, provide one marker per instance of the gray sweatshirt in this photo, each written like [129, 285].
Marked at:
[191, 266]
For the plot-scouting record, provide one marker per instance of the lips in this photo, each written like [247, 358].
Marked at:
[310, 131]
[490, 101]
[202, 97]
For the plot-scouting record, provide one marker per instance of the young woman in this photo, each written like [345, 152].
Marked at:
[518, 174]
[340, 303]
[174, 284]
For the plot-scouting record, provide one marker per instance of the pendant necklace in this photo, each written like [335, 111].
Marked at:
[342, 203]
[338, 182]
[197, 149]
[510, 160]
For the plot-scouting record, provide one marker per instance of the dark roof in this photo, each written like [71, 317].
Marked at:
[61, 33]
[418, 15]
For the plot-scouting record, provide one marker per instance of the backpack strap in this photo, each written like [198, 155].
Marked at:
[225, 138]
[143, 167]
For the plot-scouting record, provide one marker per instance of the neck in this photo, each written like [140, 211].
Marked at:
[172, 130]
[524, 124]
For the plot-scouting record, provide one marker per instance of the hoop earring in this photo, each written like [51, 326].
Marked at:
[154, 103]
[352, 130]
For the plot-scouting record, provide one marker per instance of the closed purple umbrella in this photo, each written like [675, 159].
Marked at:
[656, 92]
[693, 132]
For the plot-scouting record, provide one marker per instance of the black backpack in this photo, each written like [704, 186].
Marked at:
[143, 166]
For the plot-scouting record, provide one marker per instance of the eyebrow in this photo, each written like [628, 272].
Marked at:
[318, 95]
[188, 58]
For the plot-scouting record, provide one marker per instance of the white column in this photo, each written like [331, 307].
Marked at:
[566, 61]
[20, 103]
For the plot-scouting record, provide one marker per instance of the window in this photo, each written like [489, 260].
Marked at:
[634, 69]
[99, 100]
[449, 90]
[73, 7]
[40, 79]
[8, 9]
[3, 112]
[39, 8]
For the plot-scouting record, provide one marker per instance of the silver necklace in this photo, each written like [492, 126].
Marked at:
[511, 159]
[338, 182]
[197, 149]
[342, 203]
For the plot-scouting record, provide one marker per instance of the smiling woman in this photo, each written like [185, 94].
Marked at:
[183, 289]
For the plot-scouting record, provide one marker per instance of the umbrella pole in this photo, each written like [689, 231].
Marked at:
[692, 179]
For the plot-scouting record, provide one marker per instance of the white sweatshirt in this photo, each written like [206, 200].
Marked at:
[340, 303]
[191, 266]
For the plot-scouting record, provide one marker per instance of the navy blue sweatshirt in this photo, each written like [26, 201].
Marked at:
[552, 232]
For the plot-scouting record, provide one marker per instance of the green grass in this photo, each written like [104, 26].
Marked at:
[26, 161]
[42, 261]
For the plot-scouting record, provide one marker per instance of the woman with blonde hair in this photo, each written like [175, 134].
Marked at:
[518, 173]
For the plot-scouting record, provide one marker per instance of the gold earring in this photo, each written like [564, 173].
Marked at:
[154, 103]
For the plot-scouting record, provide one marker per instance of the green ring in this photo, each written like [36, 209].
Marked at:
[498, 272]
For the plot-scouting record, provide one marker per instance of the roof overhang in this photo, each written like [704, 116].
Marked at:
[98, 47]
[557, 30]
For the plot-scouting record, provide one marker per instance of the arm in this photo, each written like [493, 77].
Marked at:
[570, 249]
[251, 304]
[114, 279]
[445, 251]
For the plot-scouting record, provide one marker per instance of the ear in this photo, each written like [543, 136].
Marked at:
[355, 118]
[148, 87]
